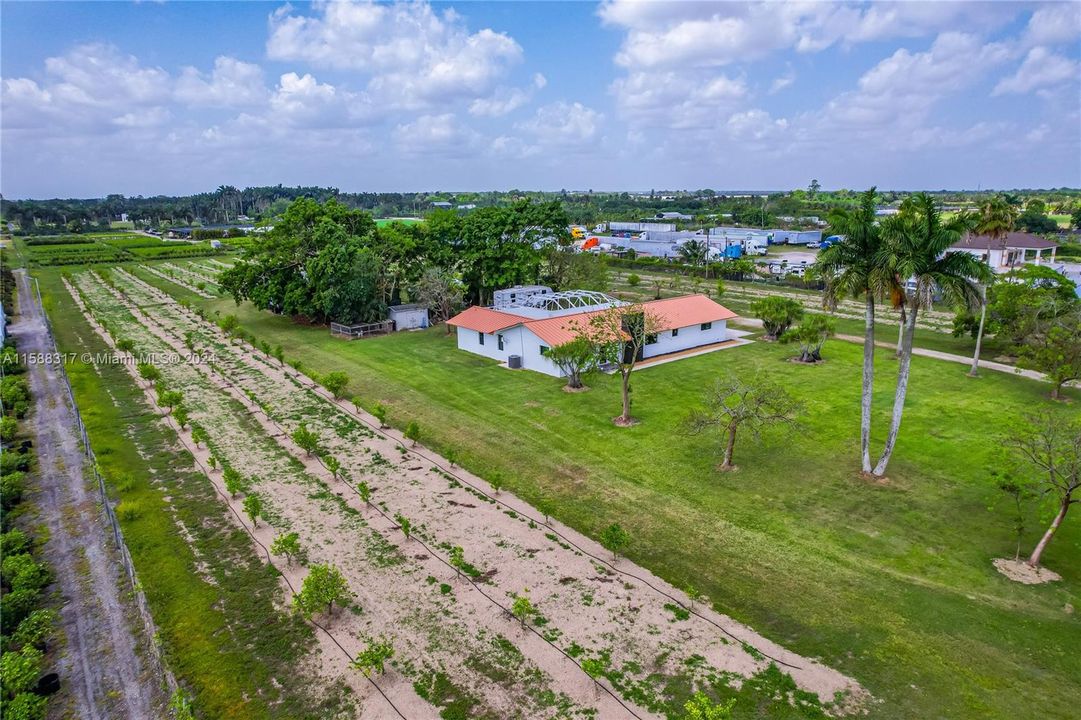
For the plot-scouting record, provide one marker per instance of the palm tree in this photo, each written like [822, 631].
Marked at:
[915, 247]
[995, 219]
[852, 268]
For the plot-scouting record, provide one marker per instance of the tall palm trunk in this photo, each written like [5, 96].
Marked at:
[899, 396]
[901, 334]
[868, 382]
[979, 333]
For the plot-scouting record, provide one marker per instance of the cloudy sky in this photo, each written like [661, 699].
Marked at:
[148, 98]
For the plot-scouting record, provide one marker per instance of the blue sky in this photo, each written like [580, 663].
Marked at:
[149, 98]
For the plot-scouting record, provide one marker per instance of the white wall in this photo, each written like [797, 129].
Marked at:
[409, 319]
[688, 337]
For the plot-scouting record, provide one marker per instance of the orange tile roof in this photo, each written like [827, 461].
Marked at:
[485, 320]
[670, 313]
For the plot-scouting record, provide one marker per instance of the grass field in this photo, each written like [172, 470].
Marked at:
[383, 222]
[890, 583]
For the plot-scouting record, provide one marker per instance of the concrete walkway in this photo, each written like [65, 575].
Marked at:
[935, 355]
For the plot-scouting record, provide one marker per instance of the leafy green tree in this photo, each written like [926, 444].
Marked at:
[522, 607]
[412, 431]
[575, 359]
[322, 588]
[36, 629]
[333, 465]
[253, 508]
[916, 246]
[693, 252]
[198, 435]
[737, 403]
[615, 538]
[234, 481]
[264, 346]
[279, 355]
[404, 524]
[811, 334]
[305, 439]
[19, 671]
[620, 335]
[336, 383]
[633, 280]
[180, 414]
[148, 372]
[777, 314]
[700, 707]
[356, 403]
[380, 413]
[457, 559]
[1053, 347]
[853, 267]
[1051, 447]
[365, 492]
[373, 658]
[287, 544]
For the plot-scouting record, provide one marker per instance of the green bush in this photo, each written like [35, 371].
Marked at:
[12, 485]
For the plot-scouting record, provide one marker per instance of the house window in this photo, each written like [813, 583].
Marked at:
[675, 332]
[481, 336]
[499, 340]
[543, 349]
[707, 326]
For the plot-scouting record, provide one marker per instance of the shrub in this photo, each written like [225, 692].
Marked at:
[127, 510]
[336, 382]
[8, 428]
[36, 629]
[633, 280]
[364, 491]
[12, 486]
[373, 657]
[234, 481]
[380, 414]
[307, 440]
[404, 523]
[615, 538]
[777, 314]
[412, 431]
[287, 544]
[253, 508]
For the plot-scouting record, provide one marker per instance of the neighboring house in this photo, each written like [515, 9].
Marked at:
[540, 322]
[442, 205]
[1006, 253]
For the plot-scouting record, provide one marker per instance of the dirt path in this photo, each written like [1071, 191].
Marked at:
[102, 670]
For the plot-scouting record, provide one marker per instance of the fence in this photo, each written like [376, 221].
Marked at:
[155, 655]
[361, 330]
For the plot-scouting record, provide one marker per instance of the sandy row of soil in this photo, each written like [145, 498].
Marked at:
[177, 281]
[434, 632]
[190, 273]
[586, 603]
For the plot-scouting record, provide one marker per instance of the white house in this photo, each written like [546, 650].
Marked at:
[543, 321]
[408, 317]
[1006, 253]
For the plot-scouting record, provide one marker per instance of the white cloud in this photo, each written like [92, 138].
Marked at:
[782, 81]
[1041, 68]
[499, 104]
[1053, 24]
[755, 125]
[563, 125]
[413, 56]
[436, 134]
[232, 83]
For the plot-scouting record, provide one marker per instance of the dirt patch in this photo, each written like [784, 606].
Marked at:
[569, 389]
[620, 421]
[1020, 571]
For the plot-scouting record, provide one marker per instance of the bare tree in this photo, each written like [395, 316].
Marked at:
[735, 403]
[1052, 446]
[622, 333]
[441, 292]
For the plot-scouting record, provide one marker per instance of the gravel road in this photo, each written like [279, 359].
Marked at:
[102, 670]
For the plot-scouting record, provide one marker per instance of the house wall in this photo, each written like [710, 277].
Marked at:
[688, 337]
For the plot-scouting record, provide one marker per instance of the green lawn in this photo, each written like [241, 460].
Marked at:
[891, 583]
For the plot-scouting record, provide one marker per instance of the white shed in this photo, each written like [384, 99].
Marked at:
[408, 317]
